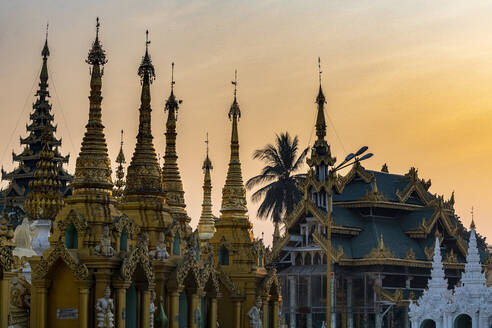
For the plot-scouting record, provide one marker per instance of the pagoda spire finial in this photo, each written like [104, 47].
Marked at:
[172, 185]
[321, 152]
[93, 168]
[206, 224]
[472, 212]
[321, 101]
[46, 51]
[235, 112]
[43, 76]
[144, 177]
[234, 193]
[172, 77]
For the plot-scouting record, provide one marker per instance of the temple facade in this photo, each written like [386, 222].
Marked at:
[378, 229]
[131, 258]
[14, 195]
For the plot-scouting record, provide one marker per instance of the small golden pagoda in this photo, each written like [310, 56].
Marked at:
[206, 225]
[241, 258]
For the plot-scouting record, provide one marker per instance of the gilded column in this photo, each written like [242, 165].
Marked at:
[120, 296]
[237, 314]
[275, 317]
[145, 318]
[4, 297]
[213, 313]
[42, 291]
[174, 309]
[84, 291]
[192, 319]
[264, 311]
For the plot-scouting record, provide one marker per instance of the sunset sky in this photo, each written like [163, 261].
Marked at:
[410, 79]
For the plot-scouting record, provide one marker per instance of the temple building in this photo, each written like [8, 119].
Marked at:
[14, 195]
[134, 260]
[382, 232]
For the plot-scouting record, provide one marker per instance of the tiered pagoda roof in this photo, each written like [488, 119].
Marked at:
[41, 118]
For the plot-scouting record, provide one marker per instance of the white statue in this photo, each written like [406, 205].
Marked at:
[152, 309]
[105, 308]
[160, 252]
[23, 238]
[323, 325]
[255, 315]
[104, 248]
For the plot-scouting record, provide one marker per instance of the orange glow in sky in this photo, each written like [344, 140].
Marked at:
[410, 79]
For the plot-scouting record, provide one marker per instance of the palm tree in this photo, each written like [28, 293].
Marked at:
[281, 193]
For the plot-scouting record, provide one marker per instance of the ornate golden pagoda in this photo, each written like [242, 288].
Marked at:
[206, 225]
[239, 256]
[172, 185]
[143, 198]
[44, 201]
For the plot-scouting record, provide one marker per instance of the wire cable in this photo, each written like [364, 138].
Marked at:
[61, 108]
[21, 114]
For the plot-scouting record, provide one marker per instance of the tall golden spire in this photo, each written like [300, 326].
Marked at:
[143, 177]
[320, 152]
[93, 168]
[206, 223]
[44, 200]
[172, 185]
[234, 193]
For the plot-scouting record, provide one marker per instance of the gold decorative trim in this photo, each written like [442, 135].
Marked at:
[380, 252]
[139, 255]
[56, 252]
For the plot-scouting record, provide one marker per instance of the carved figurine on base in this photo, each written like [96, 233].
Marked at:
[160, 252]
[255, 315]
[105, 308]
[104, 248]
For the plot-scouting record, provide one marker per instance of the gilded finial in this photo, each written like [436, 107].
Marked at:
[172, 77]
[121, 141]
[234, 112]
[97, 55]
[97, 27]
[472, 212]
[46, 51]
[147, 42]
[207, 164]
[319, 70]
[146, 70]
[235, 83]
